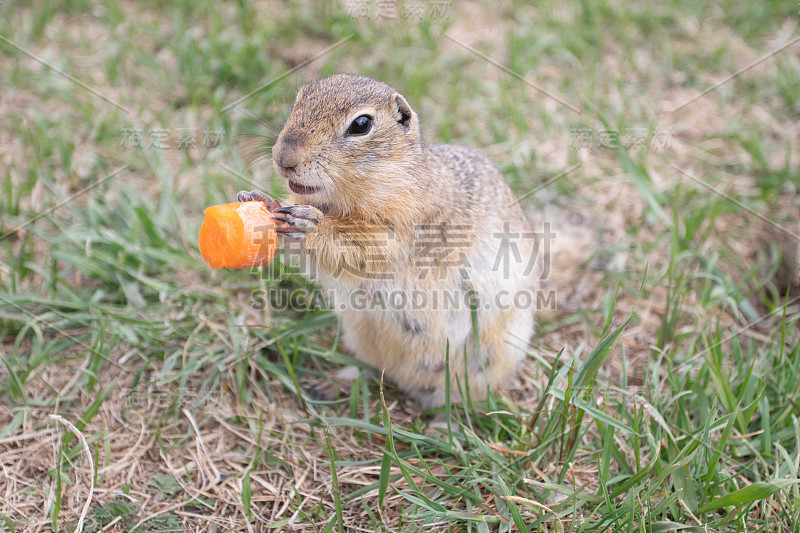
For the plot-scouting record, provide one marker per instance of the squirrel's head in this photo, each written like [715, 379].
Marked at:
[350, 145]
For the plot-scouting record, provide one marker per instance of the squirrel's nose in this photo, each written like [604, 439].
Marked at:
[286, 153]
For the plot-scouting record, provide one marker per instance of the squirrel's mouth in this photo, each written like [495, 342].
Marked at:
[301, 189]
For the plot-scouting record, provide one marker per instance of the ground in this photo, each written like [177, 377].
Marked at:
[141, 390]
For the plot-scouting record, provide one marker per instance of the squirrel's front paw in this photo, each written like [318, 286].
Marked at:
[301, 220]
[258, 196]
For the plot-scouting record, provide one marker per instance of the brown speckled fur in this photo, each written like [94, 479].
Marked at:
[389, 201]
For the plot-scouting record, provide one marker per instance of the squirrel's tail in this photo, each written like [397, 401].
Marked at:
[573, 257]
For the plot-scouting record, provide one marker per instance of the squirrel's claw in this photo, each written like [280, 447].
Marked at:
[329, 388]
[294, 228]
[301, 220]
[307, 212]
[322, 390]
[258, 196]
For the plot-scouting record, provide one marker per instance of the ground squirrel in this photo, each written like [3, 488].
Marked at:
[407, 237]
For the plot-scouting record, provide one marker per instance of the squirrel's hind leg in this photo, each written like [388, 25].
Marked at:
[329, 388]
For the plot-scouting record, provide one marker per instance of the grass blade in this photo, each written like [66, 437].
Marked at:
[383, 480]
[592, 364]
[751, 493]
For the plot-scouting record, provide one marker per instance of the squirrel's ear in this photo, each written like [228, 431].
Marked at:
[402, 111]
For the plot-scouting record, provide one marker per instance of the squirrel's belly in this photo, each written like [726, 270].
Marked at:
[407, 325]
[401, 327]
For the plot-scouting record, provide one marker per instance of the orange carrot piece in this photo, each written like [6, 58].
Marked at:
[238, 235]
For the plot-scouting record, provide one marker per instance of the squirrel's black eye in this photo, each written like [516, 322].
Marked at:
[360, 125]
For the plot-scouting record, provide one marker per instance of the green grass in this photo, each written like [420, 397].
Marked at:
[666, 399]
